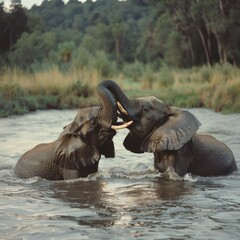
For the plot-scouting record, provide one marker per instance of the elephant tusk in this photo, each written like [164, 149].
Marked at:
[118, 127]
[121, 108]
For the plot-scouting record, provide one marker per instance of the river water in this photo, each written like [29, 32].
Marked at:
[126, 199]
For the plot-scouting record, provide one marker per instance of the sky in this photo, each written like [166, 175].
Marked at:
[28, 3]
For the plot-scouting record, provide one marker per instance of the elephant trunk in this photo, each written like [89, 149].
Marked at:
[108, 114]
[127, 106]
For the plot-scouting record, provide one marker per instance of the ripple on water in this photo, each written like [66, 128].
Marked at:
[126, 199]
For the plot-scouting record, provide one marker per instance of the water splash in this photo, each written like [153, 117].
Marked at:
[171, 174]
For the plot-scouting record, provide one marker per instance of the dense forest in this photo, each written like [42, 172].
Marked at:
[186, 52]
[182, 33]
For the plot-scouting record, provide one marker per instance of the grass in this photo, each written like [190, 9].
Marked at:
[216, 87]
[21, 92]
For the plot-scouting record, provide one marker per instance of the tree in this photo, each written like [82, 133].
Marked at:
[17, 21]
[220, 18]
[180, 33]
[34, 47]
[4, 30]
[118, 32]
[216, 23]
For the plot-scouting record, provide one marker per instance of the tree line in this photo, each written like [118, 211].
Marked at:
[110, 34]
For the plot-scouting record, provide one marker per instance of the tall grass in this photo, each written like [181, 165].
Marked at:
[47, 82]
[21, 92]
[216, 87]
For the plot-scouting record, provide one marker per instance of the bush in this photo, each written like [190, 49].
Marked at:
[134, 70]
[165, 77]
[11, 107]
[11, 100]
[11, 90]
[47, 102]
[103, 65]
[79, 89]
[82, 59]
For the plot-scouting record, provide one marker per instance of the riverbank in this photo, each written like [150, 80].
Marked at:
[215, 87]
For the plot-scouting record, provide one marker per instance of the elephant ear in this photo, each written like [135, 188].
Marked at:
[71, 128]
[133, 143]
[73, 153]
[107, 149]
[174, 133]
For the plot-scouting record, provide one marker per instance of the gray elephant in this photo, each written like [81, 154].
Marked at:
[77, 150]
[170, 134]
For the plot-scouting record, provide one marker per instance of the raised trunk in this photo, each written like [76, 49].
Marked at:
[108, 114]
[116, 91]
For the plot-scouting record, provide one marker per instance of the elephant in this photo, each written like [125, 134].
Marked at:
[77, 150]
[170, 133]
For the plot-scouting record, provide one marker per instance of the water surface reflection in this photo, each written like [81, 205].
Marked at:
[126, 199]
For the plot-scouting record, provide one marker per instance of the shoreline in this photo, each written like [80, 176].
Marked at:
[216, 88]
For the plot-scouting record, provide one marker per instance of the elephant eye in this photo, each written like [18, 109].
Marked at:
[145, 110]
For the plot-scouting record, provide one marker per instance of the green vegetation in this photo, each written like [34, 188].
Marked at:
[21, 91]
[186, 53]
[214, 87]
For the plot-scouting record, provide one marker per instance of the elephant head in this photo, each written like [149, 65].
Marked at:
[163, 128]
[91, 129]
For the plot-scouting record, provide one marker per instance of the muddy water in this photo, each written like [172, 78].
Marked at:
[126, 199]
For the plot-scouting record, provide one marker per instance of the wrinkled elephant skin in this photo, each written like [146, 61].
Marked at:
[170, 133]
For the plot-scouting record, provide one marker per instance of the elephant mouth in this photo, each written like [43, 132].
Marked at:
[106, 134]
[122, 113]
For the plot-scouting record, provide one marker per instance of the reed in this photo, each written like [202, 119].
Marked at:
[216, 87]
[21, 92]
